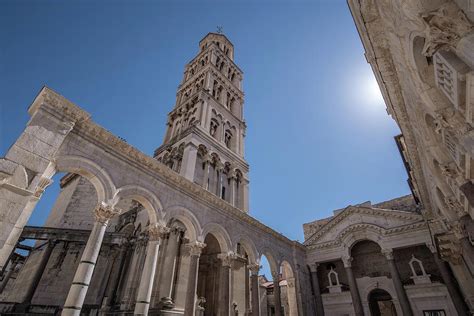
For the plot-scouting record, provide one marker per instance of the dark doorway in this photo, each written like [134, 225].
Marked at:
[381, 304]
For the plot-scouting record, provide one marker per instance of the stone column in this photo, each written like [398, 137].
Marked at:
[155, 233]
[254, 269]
[195, 249]
[220, 169]
[22, 220]
[188, 164]
[448, 280]
[318, 300]
[80, 284]
[247, 289]
[169, 267]
[205, 180]
[276, 293]
[232, 177]
[224, 286]
[397, 282]
[356, 302]
[245, 195]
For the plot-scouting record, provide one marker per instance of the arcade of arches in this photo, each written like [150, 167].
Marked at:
[172, 235]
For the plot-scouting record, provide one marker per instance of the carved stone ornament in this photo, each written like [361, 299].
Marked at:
[254, 268]
[195, 248]
[445, 26]
[450, 248]
[157, 231]
[449, 170]
[388, 253]
[104, 212]
[347, 260]
[453, 204]
[227, 258]
[291, 282]
[42, 185]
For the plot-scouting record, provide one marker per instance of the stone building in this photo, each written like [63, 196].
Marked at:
[172, 234]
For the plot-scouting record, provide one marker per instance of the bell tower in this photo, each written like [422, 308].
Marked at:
[204, 139]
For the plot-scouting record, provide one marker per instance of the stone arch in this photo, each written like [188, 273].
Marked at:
[271, 260]
[351, 235]
[148, 199]
[288, 273]
[220, 234]
[90, 170]
[193, 227]
[249, 248]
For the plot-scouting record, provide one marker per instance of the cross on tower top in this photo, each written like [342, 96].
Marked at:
[220, 29]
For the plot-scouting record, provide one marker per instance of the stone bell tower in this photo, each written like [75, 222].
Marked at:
[204, 140]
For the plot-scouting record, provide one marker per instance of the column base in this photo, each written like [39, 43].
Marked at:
[166, 303]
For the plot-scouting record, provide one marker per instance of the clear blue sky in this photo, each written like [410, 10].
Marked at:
[318, 138]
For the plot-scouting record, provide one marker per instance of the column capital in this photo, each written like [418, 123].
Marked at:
[105, 211]
[313, 267]
[432, 248]
[157, 231]
[347, 260]
[276, 276]
[227, 258]
[388, 253]
[195, 248]
[42, 185]
[291, 283]
[254, 268]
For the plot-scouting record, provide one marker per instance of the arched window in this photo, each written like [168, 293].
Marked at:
[228, 138]
[213, 128]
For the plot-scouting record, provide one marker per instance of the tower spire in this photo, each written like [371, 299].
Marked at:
[204, 140]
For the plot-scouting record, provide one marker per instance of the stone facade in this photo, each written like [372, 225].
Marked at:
[172, 234]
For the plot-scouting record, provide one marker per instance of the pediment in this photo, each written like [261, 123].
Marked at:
[362, 216]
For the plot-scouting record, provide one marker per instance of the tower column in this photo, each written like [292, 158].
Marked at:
[232, 178]
[356, 302]
[155, 235]
[80, 284]
[402, 295]
[276, 293]
[318, 300]
[207, 165]
[254, 288]
[188, 164]
[195, 249]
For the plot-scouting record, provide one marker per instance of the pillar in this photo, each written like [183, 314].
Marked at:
[276, 293]
[195, 249]
[169, 267]
[356, 302]
[8, 274]
[397, 282]
[254, 288]
[219, 169]
[247, 289]
[232, 178]
[37, 275]
[207, 163]
[448, 280]
[155, 234]
[318, 300]
[188, 164]
[224, 287]
[80, 284]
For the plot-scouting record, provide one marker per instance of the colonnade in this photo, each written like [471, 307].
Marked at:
[155, 234]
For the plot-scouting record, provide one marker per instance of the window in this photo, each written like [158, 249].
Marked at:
[213, 128]
[228, 138]
[223, 193]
